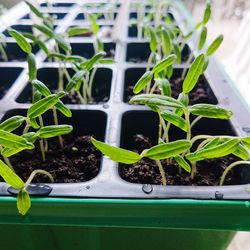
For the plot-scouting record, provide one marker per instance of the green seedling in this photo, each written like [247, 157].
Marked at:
[3, 53]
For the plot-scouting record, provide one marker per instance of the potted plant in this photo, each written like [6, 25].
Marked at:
[77, 82]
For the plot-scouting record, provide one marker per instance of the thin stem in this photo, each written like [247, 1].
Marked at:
[150, 60]
[38, 171]
[162, 172]
[202, 144]
[186, 113]
[189, 60]
[82, 100]
[194, 169]
[91, 80]
[56, 123]
[85, 87]
[7, 161]
[196, 120]
[41, 142]
[232, 165]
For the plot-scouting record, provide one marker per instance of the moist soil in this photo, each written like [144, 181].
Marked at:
[200, 94]
[78, 161]
[147, 172]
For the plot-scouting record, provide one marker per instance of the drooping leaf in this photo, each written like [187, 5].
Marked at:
[45, 30]
[177, 52]
[158, 100]
[241, 152]
[210, 111]
[93, 60]
[41, 87]
[32, 66]
[63, 109]
[164, 86]
[62, 43]
[202, 38]
[77, 77]
[143, 82]
[54, 130]
[246, 142]
[166, 150]
[215, 45]
[166, 42]
[116, 154]
[12, 123]
[94, 24]
[153, 40]
[23, 202]
[74, 31]
[10, 177]
[183, 163]
[174, 119]
[21, 41]
[193, 74]
[37, 12]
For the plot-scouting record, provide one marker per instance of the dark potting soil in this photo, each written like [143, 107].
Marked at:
[78, 161]
[200, 94]
[147, 172]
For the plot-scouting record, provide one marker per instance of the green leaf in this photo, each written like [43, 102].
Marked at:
[54, 130]
[23, 202]
[32, 66]
[10, 177]
[166, 42]
[43, 105]
[163, 64]
[37, 96]
[62, 43]
[153, 40]
[21, 41]
[63, 109]
[164, 86]
[154, 99]
[174, 119]
[143, 82]
[218, 151]
[58, 56]
[34, 123]
[10, 140]
[183, 163]
[77, 77]
[12, 123]
[41, 87]
[210, 111]
[74, 31]
[241, 152]
[100, 45]
[184, 99]
[107, 61]
[95, 59]
[193, 74]
[34, 10]
[246, 142]
[42, 46]
[202, 38]
[166, 150]
[177, 52]
[214, 142]
[45, 30]
[207, 14]
[116, 154]
[94, 24]
[215, 45]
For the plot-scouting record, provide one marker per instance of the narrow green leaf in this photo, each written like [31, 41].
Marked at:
[100, 44]
[218, 151]
[246, 142]
[37, 96]
[210, 111]
[41, 87]
[23, 202]
[174, 119]
[116, 154]
[207, 13]
[37, 12]
[94, 24]
[62, 43]
[143, 82]
[107, 61]
[45, 30]
[163, 64]
[54, 130]
[43, 47]
[154, 99]
[215, 45]
[153, 40]
[10, 140]
[74, 31]
[177, 52]
[213, 142]
[183, 163]
[21, 41]
[193, 74]
[167, 150]
[164, 86]
[241, 152]
[12, 123]
[95, 59]
[43, 105]
[77, 77]
[58, 56]
[10, 177]
[32, 66]
[63, 109]
[166, 42]
[202, 38]
[34, 124]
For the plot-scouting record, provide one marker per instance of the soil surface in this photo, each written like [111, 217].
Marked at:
[78, 161]
[147, 172]
[200, 94]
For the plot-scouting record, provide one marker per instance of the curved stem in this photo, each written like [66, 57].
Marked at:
[189, 60]
[202, 144]
[162, 172]
[7, 161]
[91, 80]
[150, 60]
[232, 165]
[196, 120]
[194, 169]
[56, 123]
[38, 171]
[186, 113]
